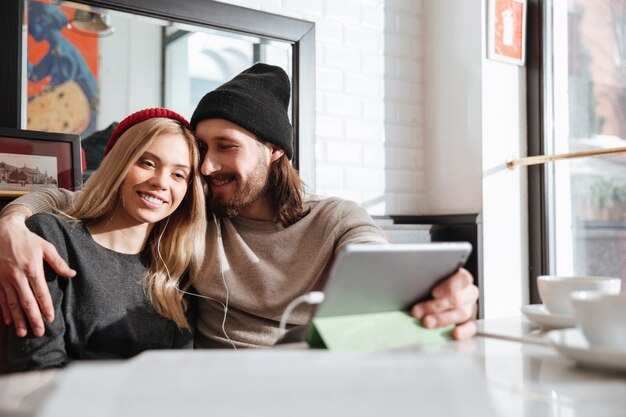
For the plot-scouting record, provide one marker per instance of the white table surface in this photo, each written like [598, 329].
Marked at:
[509, 369]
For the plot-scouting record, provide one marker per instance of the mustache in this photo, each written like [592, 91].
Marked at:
[221, 176]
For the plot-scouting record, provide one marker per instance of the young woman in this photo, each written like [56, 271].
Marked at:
[132, 235]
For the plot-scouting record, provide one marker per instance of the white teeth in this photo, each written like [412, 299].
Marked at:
[151, 199]
[220, 182]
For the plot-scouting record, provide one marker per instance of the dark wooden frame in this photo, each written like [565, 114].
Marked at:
[538, 244]
[62, 138]
[11, 18]
[197, 12]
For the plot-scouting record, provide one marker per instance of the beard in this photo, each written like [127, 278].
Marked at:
[245, 193]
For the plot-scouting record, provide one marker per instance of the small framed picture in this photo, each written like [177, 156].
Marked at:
[506, 31]
[30, 160]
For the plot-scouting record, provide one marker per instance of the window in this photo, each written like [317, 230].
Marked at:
[577, 102]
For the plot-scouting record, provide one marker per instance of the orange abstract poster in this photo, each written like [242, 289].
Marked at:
[62, 72]
[507, 30]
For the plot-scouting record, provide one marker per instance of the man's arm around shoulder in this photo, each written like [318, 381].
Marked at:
[23, 287]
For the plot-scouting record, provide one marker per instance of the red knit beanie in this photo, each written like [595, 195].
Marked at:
[140, 116]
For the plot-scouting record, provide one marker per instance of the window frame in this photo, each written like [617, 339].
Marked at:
[539, 255]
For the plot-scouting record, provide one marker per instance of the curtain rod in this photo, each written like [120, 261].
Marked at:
[512, 163]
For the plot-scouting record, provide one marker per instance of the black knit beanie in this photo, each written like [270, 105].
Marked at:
[257, 100]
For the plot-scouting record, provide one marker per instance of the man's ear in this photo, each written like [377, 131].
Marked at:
[276, 153]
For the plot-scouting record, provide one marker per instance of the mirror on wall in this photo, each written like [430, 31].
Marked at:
[88, 67]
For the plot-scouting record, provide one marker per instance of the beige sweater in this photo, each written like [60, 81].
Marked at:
[267, 266]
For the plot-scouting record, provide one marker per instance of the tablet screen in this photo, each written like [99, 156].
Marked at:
[373, 278]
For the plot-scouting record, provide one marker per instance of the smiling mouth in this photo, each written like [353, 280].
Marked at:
[151, 199]
[219, 180]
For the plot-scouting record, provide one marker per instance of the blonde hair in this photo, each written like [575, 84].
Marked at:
[176, 243]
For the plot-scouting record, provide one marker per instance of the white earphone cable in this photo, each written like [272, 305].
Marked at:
[313, 297]
[222, 259]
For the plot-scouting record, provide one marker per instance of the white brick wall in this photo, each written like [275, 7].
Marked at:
[369, 140]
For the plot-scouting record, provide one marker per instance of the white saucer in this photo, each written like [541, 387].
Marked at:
[573, 344]
[540, 315]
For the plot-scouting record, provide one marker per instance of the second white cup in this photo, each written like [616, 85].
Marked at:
[602, 318]
[555, 291]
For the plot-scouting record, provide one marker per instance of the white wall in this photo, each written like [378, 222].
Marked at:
[369, 141]
[453, 106]
[475, 118]
[505, 203]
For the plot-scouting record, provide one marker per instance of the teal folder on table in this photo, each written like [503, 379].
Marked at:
[373, 332]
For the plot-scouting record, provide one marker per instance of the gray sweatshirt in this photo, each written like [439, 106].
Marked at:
[101, 313]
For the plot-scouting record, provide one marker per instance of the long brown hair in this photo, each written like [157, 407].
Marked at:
[286, 191]
[177, 242]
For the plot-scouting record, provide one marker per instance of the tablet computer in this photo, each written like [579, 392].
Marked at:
[374, 278]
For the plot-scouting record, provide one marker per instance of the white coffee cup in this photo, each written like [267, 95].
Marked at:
[555, 291]
[602, 318]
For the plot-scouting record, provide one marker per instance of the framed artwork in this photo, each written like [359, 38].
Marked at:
[30, 160]
[62, 70]
[506, 31]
